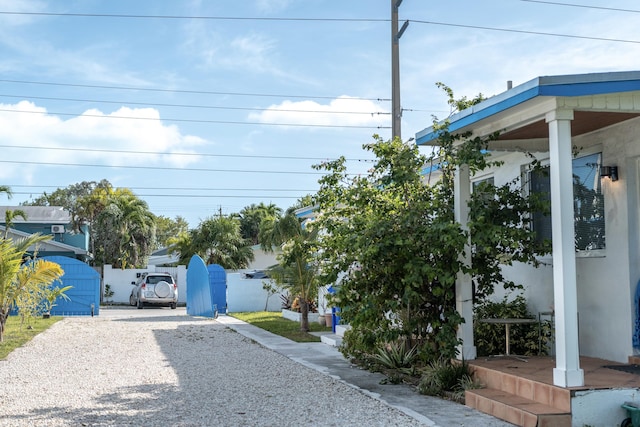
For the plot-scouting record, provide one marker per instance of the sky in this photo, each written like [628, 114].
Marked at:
[204, 107]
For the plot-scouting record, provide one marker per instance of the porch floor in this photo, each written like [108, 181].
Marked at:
[522, 392]
[540, 369]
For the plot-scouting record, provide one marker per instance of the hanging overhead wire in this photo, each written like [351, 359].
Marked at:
[537, 33]
[169, 119]
[214, 107]
[584, 6]
[201, 92]
[142, 167]
[209, 18]
[244, 156]
[238, 18]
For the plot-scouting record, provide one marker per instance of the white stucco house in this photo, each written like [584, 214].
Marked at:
[583, 127]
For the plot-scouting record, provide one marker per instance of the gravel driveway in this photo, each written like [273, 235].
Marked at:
[163, 368]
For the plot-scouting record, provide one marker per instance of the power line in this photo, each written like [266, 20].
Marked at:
[168, 119]
[215, 107]
[614, 9]
[232, 18]
[537, 33]
[200, 92]
[210, 18]
[166, 188]
[24, 162]
[99, 150]
[199, 196]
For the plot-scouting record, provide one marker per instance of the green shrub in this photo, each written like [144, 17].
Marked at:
[447, 378]
[490, 338]
[398, 356]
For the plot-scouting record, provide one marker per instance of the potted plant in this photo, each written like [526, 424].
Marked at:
[108, 294]
[50, 297]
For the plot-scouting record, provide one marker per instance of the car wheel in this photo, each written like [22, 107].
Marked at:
[132, 300]
[140, 305]
[173, 306]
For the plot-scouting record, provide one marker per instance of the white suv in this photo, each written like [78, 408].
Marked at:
[154, 289]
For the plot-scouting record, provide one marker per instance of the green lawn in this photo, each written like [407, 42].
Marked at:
[275, 323]
[16, 335]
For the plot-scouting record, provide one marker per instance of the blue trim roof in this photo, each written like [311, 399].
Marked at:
[559, 86]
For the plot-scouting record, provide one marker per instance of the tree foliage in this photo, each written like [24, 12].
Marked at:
[252, 216]
[217, 240]
[297, 268]
[18, 279]
[394, 249]
[167, 228]
[125, 230]
[392, 245]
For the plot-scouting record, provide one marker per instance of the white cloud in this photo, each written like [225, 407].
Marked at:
[128, 129]
[342, 111]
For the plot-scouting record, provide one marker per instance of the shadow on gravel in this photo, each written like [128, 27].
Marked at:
[163, 318]
[194, 401]
[136, 405]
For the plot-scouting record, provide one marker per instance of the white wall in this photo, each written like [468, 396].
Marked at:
[120, 281]
[606, 279]
[248, 295]
[263, 260]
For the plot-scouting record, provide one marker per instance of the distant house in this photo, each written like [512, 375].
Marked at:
[49, 220]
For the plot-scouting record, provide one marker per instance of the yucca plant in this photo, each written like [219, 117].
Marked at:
[397, 357]
[443, 377]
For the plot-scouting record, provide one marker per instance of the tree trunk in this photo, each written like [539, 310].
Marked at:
[304, 315]
[3, 321]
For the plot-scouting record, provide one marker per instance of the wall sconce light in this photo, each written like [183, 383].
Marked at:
[610, 171]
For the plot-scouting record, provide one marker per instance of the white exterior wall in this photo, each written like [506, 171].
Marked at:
[248, 295]
[606, 279]
[263, 260]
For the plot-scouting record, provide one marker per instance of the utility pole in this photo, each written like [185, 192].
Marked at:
[396, 108]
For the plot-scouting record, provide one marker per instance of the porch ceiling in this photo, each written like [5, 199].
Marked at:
[583, 122]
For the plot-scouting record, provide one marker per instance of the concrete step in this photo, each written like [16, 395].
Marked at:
[331, 339]
[532, 390]
[341, 329]
[516, 409]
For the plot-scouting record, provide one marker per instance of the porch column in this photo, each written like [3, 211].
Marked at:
[464, 288]
[567, 372]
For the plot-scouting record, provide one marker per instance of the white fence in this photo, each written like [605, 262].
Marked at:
[120, 280]
[242, 294]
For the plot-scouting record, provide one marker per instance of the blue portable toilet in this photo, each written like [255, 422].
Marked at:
[84, 296]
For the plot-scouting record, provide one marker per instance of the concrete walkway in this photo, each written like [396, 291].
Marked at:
[329, 361]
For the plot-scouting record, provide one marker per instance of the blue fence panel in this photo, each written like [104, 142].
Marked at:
[218, 285]
[84, 296]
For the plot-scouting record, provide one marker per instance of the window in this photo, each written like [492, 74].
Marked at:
[588, 203]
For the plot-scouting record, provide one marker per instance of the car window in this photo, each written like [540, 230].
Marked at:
[152, 280]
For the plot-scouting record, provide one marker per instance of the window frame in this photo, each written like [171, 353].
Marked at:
[526, 179]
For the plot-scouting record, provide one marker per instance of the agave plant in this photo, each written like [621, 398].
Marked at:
[397, 356]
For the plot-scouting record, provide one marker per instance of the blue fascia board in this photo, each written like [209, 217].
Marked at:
[558, 86]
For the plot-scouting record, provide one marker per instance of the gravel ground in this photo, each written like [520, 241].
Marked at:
[171, 371]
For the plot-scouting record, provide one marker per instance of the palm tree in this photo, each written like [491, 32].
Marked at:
[182, 244]
[127, 230]
[7, 190]
[9, 216]
[218, 241]
[296, 269]
[252, 216]
[17, 278]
